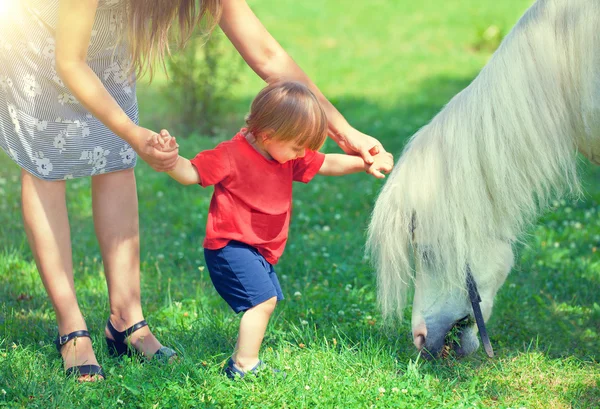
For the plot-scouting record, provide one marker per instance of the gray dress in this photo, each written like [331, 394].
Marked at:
[43, 127]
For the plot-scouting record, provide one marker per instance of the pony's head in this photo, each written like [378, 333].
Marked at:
[423, 233]
[442, 314]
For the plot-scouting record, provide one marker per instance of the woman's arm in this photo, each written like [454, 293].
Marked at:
[73, 33]
[184, 172]
[269, 60]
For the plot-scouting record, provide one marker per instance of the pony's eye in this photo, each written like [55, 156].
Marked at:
[427, 256]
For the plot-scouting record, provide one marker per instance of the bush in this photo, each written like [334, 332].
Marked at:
[201, 78]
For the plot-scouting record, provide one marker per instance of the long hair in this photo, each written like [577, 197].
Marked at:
[491, 159]
[150, 28]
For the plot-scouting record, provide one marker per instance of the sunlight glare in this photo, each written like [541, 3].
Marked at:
[5, 5]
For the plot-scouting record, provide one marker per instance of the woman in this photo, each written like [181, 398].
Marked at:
[68, 110]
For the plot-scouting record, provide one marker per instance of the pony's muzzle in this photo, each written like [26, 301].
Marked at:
[435, 341]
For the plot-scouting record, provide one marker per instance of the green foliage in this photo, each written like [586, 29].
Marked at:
[488, 39]
[201, 79]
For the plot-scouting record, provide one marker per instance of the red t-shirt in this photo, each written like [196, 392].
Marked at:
[252, 200]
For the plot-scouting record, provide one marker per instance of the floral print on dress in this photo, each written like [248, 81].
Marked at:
[56, 78]
[120, 76]
[127, 154]
[31, 87]
[85, 129]
[13, 154]
[40, 125]
[97, 157]
[50, 49]
[5, 82]
[114, 22]
[44, 128]
[44, 166]
[66, 98]
[75, 127]
[12, 111]
[60, 141]
[33, 48]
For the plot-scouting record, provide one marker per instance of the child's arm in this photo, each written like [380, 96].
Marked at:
[184, 172]
[338, 164]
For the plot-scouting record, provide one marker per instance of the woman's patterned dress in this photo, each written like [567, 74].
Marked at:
[43, 128]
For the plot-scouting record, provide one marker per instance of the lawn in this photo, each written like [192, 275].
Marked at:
[389, 66]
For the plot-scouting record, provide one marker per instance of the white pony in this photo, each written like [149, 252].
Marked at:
[469, 182]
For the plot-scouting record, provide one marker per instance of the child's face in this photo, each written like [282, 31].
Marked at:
[283, 151]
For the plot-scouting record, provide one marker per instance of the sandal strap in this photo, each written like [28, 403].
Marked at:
[121, 336]
[82, 370]
[63, 339]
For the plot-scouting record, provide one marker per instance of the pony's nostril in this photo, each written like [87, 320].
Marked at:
[419, 341]
[419, 335]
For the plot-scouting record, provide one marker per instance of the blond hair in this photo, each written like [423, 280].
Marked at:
[288, 111]
[150, 22]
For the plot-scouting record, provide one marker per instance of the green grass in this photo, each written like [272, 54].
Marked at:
[389, 66]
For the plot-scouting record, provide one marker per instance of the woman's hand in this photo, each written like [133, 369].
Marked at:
[160, 153]
[354, 142]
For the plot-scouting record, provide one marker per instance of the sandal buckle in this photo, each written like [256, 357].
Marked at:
[63, 339]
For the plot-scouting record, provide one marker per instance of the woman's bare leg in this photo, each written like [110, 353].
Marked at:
[115, 206]
[47, 227]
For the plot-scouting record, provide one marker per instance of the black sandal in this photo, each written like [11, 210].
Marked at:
[118, 345]
[81, 370]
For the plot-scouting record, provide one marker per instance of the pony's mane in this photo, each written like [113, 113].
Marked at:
[490, 160]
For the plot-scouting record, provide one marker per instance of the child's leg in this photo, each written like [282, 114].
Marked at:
[249, 284]
[252, 331]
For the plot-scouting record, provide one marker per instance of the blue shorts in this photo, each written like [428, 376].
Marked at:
[242, 276]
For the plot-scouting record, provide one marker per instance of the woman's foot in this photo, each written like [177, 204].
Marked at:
[78, 352]
[141, 339]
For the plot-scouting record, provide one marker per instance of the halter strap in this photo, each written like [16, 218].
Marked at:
[475, 300]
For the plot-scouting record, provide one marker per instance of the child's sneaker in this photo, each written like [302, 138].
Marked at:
[231, 370]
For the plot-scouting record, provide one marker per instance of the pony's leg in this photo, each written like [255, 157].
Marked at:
[115, 207]
[47, 227]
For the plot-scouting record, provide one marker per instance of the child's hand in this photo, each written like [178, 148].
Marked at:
[383, 162]
[146, 144]
[165, 142]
